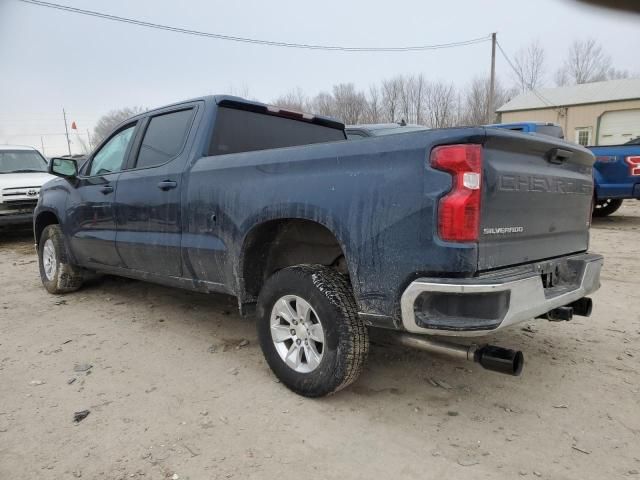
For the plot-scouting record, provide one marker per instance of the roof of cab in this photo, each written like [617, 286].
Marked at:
[251, 105]
[243, 103]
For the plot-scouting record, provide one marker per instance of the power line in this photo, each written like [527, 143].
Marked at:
[35, 135]
[541, 97]
[271, 43]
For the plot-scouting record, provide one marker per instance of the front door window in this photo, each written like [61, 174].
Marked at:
[110, 158]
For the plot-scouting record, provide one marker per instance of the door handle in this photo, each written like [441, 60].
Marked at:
[167, 185]
[107, 189]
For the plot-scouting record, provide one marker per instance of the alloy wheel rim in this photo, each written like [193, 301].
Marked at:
[297, 333]
[49, 260]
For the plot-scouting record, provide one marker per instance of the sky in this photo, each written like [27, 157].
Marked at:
[50, 60]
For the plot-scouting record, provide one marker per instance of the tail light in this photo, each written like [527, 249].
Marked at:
[459, 210]
[634, 165]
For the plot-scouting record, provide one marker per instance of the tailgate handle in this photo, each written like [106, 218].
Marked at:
[558, 155]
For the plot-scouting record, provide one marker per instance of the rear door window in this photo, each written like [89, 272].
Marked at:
[164, 138]
[244, 131]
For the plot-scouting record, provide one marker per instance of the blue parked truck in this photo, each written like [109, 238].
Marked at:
[616, 172]
[453, 232]
[540, 128]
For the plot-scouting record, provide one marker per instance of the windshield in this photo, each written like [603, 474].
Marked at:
[635, 141]
[17, 161]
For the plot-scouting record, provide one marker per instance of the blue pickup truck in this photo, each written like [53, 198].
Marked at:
[540, 128]
[453, 232]
[616, 174]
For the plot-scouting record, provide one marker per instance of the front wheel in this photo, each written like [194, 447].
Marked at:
[309, 330]
[606, 206]
[58, 275]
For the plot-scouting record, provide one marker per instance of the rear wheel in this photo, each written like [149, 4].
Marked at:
[58, 275]
[309, 330]
[606, 206]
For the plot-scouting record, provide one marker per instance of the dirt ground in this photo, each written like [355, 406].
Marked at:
[175, 391]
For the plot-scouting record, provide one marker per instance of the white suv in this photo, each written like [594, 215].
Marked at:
[23, 170]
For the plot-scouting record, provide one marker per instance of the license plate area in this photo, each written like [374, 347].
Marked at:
[559, 276]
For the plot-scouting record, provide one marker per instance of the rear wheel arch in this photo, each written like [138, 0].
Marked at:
[276, 244]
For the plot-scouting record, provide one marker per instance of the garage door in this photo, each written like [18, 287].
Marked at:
[619, 127]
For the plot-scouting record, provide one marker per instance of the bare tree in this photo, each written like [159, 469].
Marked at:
[391, 92]
[475, 109]
[412, 91]
[586, 62]
[350, 105]
[405, 86]
[324, 104]
[107, 122]
[373, 112]
[475, 102]
[614, 74]
[293, 100]
[440, 105]
[418, 91]
[530, 67]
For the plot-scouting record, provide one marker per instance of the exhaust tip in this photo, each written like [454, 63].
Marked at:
[501, 360]
[582, 307]
[560, 314]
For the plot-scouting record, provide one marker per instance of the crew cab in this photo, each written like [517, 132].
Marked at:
[23, 170]
[452, 232]
[617, 175]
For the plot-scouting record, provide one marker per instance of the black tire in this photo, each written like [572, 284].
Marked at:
[606, 206]
[66, 277]
[346, 339]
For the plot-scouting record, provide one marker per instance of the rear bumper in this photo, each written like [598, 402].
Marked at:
[20, 219]
[480, 305]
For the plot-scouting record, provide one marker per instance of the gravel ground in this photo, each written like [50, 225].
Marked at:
[177, 388]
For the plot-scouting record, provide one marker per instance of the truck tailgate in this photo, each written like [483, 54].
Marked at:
[536, 202]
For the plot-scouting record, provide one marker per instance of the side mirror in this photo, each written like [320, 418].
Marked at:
[63, 167]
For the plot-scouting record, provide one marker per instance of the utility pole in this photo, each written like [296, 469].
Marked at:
[66, 130]
[89, 139]
[42, 144]
[492, 81]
